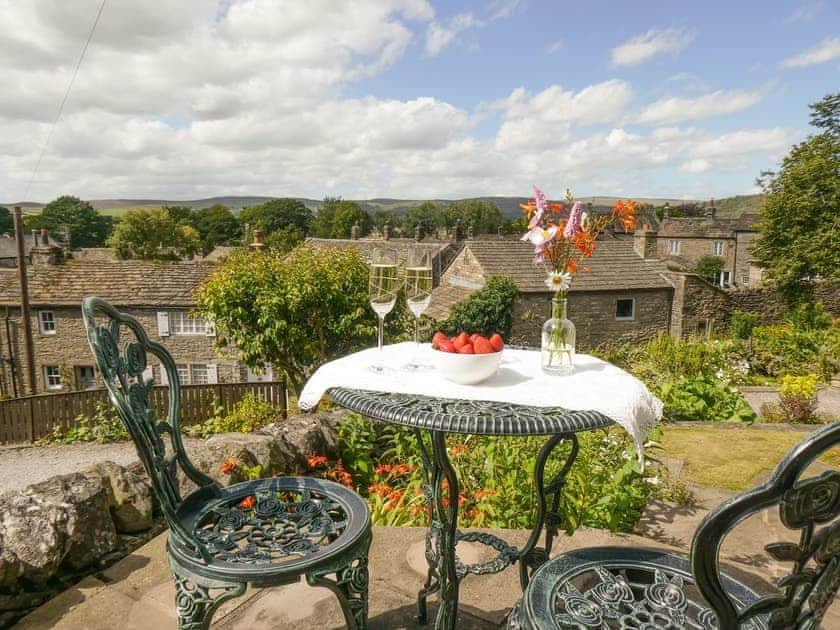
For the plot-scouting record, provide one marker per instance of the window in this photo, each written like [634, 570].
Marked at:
[183, 374]
[745, 279]
[52, 376]
[717, 248]
[180, 323]
[46, 320]
[198, 374]
[674, 248]
[85, 377]
[724, 278]
[624, 308]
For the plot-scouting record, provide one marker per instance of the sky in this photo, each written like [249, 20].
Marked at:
[406, 98]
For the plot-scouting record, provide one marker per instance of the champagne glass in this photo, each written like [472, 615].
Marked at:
[418, 294]
[383, 287]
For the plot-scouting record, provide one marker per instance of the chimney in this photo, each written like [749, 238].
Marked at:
[43, 254]
[710, 209]
[456, 230]
[418, 232]
[257, 245]
[386, 230]
[644, 242]
[354, 231]
[470, 232]
[666, 211]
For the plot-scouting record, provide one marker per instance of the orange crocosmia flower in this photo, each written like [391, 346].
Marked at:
[317, 460]
[383, 469]
[529, 207]
[228, 466]
[556, 208]
[247, 503]
[571, 266]
[585, 243]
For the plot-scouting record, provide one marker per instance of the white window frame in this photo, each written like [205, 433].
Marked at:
[45, 320]
[181, 323]
[183, 371]
[52, 377]
[674, 247]
[745, 279]
[725, 278]
[632, 315]
[199, 374]
[718, 248]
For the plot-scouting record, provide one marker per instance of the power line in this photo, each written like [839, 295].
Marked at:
[64, 100]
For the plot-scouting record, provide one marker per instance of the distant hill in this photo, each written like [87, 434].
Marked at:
[730, 207]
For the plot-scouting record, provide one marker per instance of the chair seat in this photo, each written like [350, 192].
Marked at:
[621, 587]
[262, 531]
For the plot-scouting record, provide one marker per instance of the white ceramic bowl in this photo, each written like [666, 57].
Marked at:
[466, 369]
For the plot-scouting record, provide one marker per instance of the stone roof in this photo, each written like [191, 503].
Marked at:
[400, 245]
[614, 266]
[123, 283]
[697, 227]
[748, 222]
[443, 297]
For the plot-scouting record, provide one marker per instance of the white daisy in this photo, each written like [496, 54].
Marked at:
[558, 281]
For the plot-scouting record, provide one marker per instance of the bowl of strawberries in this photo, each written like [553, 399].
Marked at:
[467, 359]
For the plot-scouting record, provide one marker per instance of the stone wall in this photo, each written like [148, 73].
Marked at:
[68, 349]
[743, 258]
[699, 308]
[464, 270]
[771, 304]
[693, 248]
[593, 313]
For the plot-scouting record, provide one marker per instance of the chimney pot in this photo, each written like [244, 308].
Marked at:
[257, 243]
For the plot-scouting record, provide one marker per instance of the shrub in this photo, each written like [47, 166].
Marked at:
[809, 316]
[704, 399]
[486, 311]
[104, 427]
[709, 268]
[743, 323]
[780, 349]
[798, 398]
[248, 415]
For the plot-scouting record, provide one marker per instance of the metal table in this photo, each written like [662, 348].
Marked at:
[440, 416]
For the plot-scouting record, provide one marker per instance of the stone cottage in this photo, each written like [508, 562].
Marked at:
[158, 294]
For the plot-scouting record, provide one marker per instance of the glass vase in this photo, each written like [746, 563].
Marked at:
[558, 340]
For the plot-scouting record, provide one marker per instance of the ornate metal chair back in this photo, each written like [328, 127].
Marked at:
[121, 349]
[811, 506]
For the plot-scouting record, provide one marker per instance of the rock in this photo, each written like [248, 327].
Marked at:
[81, 506]
[129, 496]
[307, 434]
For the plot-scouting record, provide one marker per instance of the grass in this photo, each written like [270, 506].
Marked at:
[731, 458]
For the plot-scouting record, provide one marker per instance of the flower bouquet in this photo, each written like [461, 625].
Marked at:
[563, 238]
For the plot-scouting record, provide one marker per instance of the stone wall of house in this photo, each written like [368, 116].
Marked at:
[68, 349]
[593, 313]
[464, 270]
[743, 258]
[693, 248]
[699, 308]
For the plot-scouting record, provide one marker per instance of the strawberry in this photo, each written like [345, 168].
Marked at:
[482, 346]
[497, 342]
[473, 337]
[439, 336]
[445, 345]
[461, 340]
[467, 348]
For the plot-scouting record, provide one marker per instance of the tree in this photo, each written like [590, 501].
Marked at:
[486, 311]
[152, 234]
[277, 214]
[216, 225]
[295, 311]
[7, 223]
[183, 215]
[709, 268]
[483, 215]
[800, 217]
[348, 214]
[426, 214]
[87, 227]
[322, 223]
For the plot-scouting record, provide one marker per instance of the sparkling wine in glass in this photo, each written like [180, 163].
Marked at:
[383, 287]
[418, 294]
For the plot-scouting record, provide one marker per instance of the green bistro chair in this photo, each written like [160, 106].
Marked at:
[625, 587]
[266, 532]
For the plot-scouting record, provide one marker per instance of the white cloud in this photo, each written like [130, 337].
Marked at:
[826, 50]
[698, 165]
[439, 36]
[676, 109]
[805, 13]
[555, 46]
[501, 9]
[647, 45]
[599, 103]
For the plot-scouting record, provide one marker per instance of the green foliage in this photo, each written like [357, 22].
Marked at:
[799, 219]
[246, 416]
[798, 398]
[709, 268]
[322, 222]
[704, 399]
[483, 215]
[486, 311]
[809, 316]
[496, 476]
[153, 234]
[742, 324]
[427, 214]
[104, 427]
[277, 214]
[295, 311]
[216, 225]
[7, 223]
[284, 240]
[88, 228]
[348, 214]
[781, 349]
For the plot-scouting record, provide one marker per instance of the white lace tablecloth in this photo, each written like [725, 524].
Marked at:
[595, 385]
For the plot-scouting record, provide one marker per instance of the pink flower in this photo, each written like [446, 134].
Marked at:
[539, 254]
[573, 224]
[539, 236]
[542, 206]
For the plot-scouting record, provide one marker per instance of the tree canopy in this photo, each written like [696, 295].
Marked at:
[87, 227]
[152, 234]
[7, 223]
[277, 214]
[348, 214]
[427, 214]
[800, 217]
[216, 225]
[294, 311]
[483, 215]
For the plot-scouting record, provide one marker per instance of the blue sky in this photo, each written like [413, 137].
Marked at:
[409, 98]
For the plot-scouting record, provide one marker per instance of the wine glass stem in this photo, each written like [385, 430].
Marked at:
[416, 334]
[381, 333]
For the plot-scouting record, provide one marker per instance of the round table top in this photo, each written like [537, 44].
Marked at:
[477, 417]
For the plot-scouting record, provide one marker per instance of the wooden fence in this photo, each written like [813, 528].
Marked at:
[32, 417]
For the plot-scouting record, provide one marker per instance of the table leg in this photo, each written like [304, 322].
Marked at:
[532, 556]
[441, 538]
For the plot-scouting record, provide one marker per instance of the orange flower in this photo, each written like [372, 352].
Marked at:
[626, 212]
[457, 449]
[529, 207]
[381, 489]
[316, 461]
[585, 243]
[228, 466]
[383, 469]
[339, 474]
[572, 266]
[556, 208]
[247, 503]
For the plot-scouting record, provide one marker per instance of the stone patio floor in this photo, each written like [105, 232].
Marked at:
[137, 593]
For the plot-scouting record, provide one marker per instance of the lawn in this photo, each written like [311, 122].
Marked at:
[731, 458]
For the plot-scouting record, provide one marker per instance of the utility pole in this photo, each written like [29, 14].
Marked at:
[24, 303]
